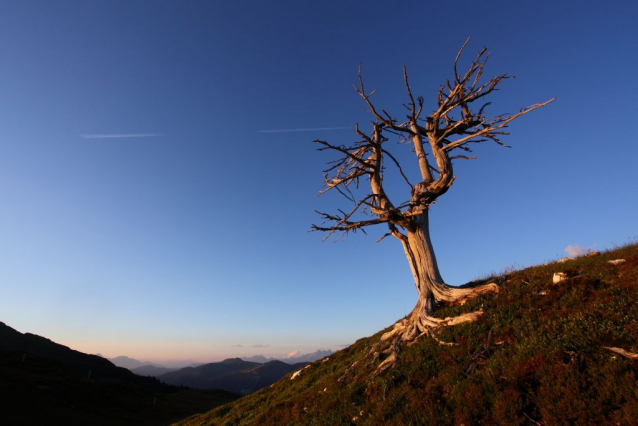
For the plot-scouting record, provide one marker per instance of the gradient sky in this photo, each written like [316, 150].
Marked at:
[150, 210]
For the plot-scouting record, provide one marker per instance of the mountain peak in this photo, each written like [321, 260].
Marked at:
[233, 361]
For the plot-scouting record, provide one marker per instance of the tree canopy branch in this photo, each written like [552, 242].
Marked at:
[454, 125]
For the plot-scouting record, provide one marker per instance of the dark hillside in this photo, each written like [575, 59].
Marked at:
[539, 355]
[42, 382]
[31, 344]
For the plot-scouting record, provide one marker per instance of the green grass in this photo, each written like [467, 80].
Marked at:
[545, 362]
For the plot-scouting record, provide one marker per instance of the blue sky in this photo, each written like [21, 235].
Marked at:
[184, 234]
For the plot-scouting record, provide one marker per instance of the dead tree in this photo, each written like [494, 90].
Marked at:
[437, 139]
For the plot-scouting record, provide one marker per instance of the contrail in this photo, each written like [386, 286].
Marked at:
[120, 135]
[303, 130]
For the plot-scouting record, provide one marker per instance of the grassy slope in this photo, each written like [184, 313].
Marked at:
[546, 362]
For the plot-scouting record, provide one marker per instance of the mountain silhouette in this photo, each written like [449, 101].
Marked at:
[43, 382]
[233, 375]
[310, 357]
[152, 370]
[91, 365]
[130, 363]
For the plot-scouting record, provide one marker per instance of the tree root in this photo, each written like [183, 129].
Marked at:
[460, 295]
[408, 331]
[419, 324]
[621, 351]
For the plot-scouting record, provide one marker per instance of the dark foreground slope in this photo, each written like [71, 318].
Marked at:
[42, 382]
[537, 356]
[232, 375]
[31, 344]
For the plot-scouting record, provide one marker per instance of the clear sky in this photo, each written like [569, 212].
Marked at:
[145, 212]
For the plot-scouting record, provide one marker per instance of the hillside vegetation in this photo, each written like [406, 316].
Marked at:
[539, 355]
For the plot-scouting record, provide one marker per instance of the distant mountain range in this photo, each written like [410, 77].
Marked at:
[239, 376]
[311, 357]
[148, 368]
[132, 363]
[43, 382]
[233, 375]
[152, 370]
[236, 375]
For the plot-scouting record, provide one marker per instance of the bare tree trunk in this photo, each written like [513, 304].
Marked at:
[425, 270]
[430, 286]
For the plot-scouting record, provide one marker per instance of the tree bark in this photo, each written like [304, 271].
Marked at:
[420, 254]
[430, 286]
[425, 270]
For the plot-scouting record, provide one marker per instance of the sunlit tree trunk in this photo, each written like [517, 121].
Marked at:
[425, 270]
[431, 288]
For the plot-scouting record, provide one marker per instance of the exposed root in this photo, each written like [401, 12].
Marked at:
[460, 295]
[345, 373]
[409, 330]
[420, 323]
[621, 351]
[441, 342]
[460, 319]
[392, 354]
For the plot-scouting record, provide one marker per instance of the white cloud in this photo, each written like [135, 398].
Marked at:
[292, 354]
[303, 130]
[575, 250]
[236, 346]
[120, 135]
[259, 346]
